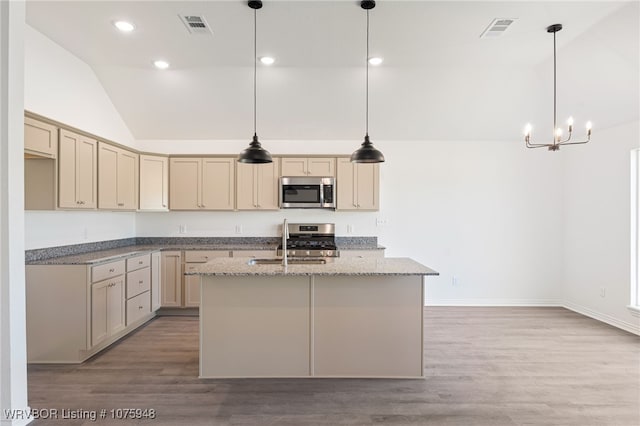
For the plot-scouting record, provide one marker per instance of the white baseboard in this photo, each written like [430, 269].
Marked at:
[493, 302]
[627, 326]
[624, 325]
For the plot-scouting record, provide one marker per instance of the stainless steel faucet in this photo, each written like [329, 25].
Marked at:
[285, 237]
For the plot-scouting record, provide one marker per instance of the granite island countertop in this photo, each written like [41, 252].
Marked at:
[238, 266]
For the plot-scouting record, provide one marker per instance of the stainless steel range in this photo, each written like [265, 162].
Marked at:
[310, 240]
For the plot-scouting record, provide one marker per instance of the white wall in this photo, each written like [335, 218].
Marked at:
[487, 213]
[598, 224]
[13, 346]
[60, 86]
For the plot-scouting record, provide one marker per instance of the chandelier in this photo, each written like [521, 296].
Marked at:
[557, 131]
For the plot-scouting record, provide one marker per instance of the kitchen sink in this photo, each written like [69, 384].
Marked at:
[290, 261]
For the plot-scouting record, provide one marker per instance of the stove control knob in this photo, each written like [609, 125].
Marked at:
[307, 252]
[292, 252]
[328, 253]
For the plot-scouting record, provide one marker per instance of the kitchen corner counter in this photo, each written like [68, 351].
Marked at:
[339, 266]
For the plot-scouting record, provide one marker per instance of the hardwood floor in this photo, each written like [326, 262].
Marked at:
[484, 366]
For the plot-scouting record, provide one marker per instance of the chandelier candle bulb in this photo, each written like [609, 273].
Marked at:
[570, 123]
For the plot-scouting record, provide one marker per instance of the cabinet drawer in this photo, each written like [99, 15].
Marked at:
[138, 262]
[107, 270]
[201, 256]
[260, 254]
[138, 307]
[138, 282]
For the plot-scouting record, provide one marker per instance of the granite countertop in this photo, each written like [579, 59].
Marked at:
[109, 255]
[339, 266]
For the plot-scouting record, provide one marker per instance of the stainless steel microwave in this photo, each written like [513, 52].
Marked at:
[307, 192]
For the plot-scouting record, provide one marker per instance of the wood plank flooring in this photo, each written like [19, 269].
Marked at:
[484, 366]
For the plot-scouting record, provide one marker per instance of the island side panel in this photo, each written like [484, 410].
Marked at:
[368, 326]
[254, 326]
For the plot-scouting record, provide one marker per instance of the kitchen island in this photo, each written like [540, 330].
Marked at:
[345, 318]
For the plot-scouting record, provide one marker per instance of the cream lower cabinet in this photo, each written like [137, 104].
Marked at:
[154, 183]
[202, 183]
[358, 185]
[192, 282]
[156, 281]
[77, 171]
[117, 178]
[107, 309]
[313, 166]
[257, 186]
[171, 277]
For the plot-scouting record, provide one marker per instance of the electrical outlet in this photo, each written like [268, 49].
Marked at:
[182, 229]
[381, 222]
[85, 233]
[238, 229]
[603, 292]
[349, 229]
[454, 280]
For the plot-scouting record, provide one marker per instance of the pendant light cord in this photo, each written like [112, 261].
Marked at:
[367, 83]
[554, 88]
[255, 69]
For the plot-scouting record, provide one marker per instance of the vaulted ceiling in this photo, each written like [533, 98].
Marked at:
[439, 79]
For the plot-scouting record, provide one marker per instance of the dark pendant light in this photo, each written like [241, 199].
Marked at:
[367, 153]
[557, 140]
[255, 154]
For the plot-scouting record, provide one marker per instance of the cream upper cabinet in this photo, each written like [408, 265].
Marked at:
[358, 185]
[40, 139]
[202, 183]
[77, 171]
[257, 186]
[154, 182]
[117, 178]
[308, 166]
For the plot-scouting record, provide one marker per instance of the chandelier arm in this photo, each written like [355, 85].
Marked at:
[537, 146]
[574, 143]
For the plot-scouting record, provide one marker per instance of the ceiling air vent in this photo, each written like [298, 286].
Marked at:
[196, 24]
[497, 27]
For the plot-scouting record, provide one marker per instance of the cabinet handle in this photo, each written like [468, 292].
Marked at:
[77, 202]
[112, 270]
[164, 205]
[203, 206]
[140, 262]
[140, 282]
[140, 307]
[206, 257]
[120, 204]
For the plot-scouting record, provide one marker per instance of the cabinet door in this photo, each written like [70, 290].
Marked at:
[99, 309]
[184, 183]
[107, 309]
[294, 166]
[40, 138]
[77, 171]
[367, 186]
[154, 182]
[346, 185]
[156, 281]
[245, 184]
[116, 306]
[171, 279]
[87, 172]
[321, 167]
[266, 186]
[218, 183]
[127, 180]
[67, 197]
[191, 291]
[107, 176]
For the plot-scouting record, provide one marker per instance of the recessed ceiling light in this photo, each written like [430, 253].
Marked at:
[267, 60]
[160, 64]
[375, 60]
[124, 26]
